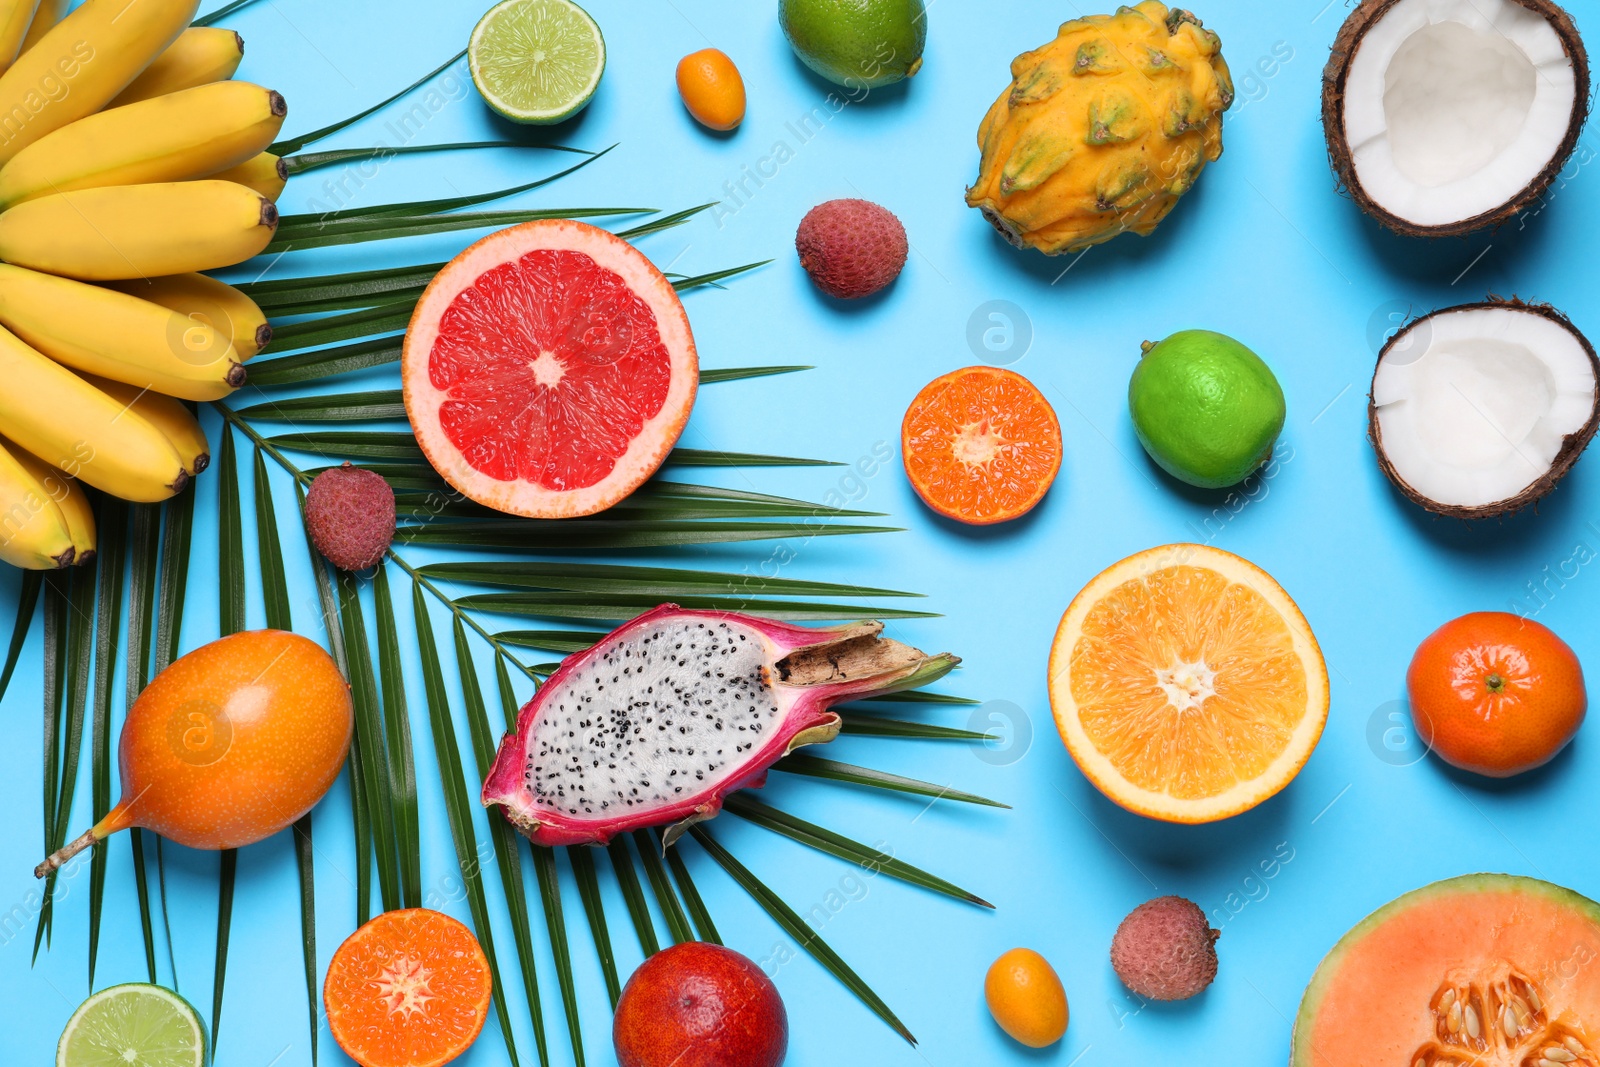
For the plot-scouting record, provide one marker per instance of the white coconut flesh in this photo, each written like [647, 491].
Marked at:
[1474, 405]
[1454, 107]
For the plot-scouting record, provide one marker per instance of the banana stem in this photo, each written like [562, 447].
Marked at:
[59, 858]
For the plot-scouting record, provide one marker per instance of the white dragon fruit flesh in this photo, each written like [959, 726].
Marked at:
[676, 709]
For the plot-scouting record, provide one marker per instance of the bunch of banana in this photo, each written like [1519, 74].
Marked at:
[130, 161]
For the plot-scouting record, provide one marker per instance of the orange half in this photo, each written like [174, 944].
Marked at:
[981, 445]
[1186, 684]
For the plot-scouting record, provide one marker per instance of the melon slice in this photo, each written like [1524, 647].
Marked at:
[548, 370]
[1486, 969]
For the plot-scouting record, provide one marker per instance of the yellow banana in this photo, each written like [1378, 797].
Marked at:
[208, 301]
[175, 421]
[86, 59]
[114, 335]
[69, 496]
[76, 428]
[45, 18]
[189, 134]
[138, 231]
[200, 55]
[15, 18]
[33, 531]
[267, 174]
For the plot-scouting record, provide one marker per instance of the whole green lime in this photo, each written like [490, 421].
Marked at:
[1205, 407]
[857, 43]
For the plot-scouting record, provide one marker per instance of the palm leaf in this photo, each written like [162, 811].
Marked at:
[27, 601]
[112, 525]
[589, 892]
[221, 13]
[599, 534]
[397, 727]
[80, 650]
[696, 457]
[436, 206]
[500, 831]
[275, 595]
[552, 640]
[56, 654]
[289, 146]
[145, 558]
[919, 696]
[304, 161]
[231, 613]
[325, 363]
[823, 840]
[544, 866]
[228, 873]
[733, 374]
[314, 333]
[299, 238]
[666, 899]
[692, 901]
[177, 533]
[615, 607]
[713, 278]
[654, 582]
[458, 806]
[877, 726]
[372, 762]
[807, 938]
[665, 222]
[833, 770]
[633, 895]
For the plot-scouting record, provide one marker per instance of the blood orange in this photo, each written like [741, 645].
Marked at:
[548, 370]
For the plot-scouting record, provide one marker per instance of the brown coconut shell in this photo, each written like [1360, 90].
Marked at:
[1336, 73]
[1571, 448]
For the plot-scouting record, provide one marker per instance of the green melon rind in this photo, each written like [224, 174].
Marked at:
[1300, 1054]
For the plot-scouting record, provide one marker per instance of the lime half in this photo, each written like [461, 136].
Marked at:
[133, 1025]
[537, 61]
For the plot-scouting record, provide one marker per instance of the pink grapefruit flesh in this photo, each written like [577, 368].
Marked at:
[548, 370]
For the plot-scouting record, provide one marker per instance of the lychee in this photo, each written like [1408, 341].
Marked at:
[851, 248]
[1165, 950]
[350, 516]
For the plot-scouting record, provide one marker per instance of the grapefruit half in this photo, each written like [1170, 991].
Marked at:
[548, 370]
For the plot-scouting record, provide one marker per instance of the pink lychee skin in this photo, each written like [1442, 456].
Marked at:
[851, 248]
[805, 712]
[1165, 950]
[350, 515]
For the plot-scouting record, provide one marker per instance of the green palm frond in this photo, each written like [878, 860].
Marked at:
[649, 846]
[544, 866]
[633, 895]
[397, 744]
[301, 162]
[27, 602]
[582, 859]
[289, 146]
[692, 900]
[112, 526]
[458, 804]
[833, 770]
[78, 659]
[144, 555]
[878, 726]
[221, 13]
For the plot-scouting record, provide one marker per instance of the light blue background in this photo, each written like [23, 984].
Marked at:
[1265, 249]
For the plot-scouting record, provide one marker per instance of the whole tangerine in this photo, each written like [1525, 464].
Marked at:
[712, 89]
[1495, 693]
[1026, 998]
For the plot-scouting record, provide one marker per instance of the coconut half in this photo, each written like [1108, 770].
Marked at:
[1447, 116]
[1481, 409]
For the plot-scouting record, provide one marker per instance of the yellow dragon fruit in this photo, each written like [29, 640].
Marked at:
[1103, 129]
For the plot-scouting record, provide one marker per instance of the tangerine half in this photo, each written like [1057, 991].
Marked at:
[981, 445]
[1496, 694]
[409, 989]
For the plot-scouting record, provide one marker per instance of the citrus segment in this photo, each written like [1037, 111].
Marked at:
[548, 370]
[1186, 684]
[981, 445]
[138, 1024]
[409, 989]
[537, 61]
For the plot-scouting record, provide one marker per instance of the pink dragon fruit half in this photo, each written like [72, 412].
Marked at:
[676, 709]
